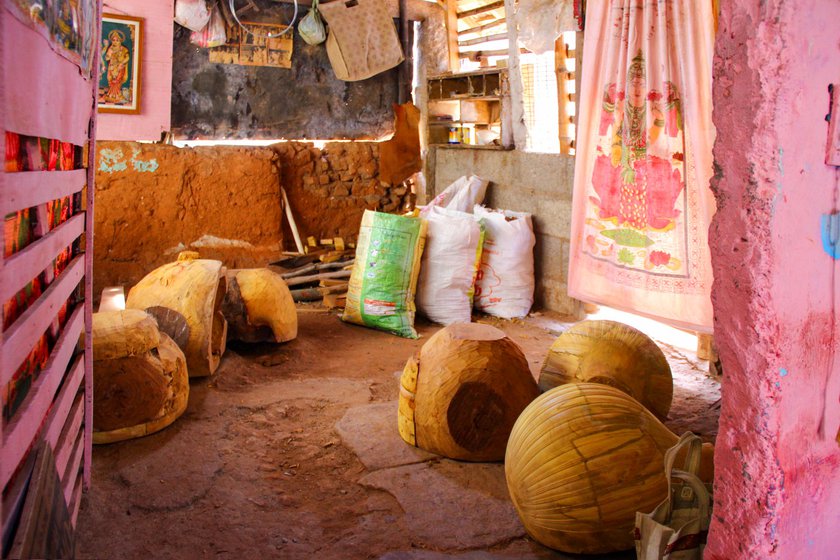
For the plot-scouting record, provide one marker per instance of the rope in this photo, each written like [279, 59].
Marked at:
[288, 28]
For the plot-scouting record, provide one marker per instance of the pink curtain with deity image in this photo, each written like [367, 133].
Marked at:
[642, 204]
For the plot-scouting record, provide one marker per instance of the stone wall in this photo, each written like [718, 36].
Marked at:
[537, 183]
[154, 200]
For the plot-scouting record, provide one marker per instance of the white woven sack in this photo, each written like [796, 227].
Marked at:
[448, 269]
[462, 195]
[192, 14]
[505, 283]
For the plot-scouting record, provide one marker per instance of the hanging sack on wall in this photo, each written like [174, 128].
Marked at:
[362, 41]
[311, 28]
[384, 278]
[462, 195]
[213, 34]
[505, 284]
[677, 528]
[449, 267]
[192, 14]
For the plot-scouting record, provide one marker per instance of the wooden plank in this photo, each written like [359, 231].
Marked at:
[71, 471]
[452, 34]
[563, 114]
[76, 502]
[31, 188]
[62, 404]
[482, 9]
[486, 39]
[21, 337]
[69, 434]
[481, 28]
[14, 496]
[477, 55]
[25, 265]
[21, 431]
[297, 281]
[45, 529]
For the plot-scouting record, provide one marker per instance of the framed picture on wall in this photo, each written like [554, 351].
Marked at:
[119, 64]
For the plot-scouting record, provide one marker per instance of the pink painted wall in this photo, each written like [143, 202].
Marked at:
[155, 73]
[777, 487]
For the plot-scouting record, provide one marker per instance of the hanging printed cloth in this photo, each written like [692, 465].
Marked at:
[642, 204]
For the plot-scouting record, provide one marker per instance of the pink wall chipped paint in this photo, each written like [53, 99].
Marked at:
[777, 487]
[155, 73]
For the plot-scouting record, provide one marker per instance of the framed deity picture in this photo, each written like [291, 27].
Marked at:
[119, 64]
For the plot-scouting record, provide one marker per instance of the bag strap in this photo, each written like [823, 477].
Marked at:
[700, 491]
[692, 456]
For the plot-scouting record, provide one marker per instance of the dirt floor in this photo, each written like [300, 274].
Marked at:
[291, 451]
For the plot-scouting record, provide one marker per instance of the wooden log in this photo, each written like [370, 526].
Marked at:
[259, 307]
[315, 294]
[582, 459]
[195, 289]
[316, 267]
[316, 277]
[469, 386]
[614, 354]
[137, 392]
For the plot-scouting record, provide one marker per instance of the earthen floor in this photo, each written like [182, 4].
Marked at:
[291, 451]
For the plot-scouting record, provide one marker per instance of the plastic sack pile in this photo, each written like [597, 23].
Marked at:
[453, 255]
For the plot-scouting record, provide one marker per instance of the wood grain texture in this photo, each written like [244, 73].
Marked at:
[117, 415]
[119, 334]
[582, 459]
[194, 288]
[258, 306]
[45, 529]
[472, 382]
[614, 354]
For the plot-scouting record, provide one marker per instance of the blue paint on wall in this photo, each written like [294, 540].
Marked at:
[783, 372]
[145, 166]
[110, 161]
[830, 228]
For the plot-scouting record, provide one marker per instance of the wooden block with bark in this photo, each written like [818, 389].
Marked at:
[186, 298]
[258, 307]
[140, 379]
[461, 397]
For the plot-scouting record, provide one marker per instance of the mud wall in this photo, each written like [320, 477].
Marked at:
[153, 201]
[537, 183]
[305, 101]
[777, 487]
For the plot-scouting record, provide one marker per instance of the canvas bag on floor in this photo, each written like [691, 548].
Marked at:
[362, 40]
[677, 528]
[505, 283]
[450, 263]
[384, 278]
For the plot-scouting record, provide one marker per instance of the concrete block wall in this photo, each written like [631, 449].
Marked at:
[527, 182]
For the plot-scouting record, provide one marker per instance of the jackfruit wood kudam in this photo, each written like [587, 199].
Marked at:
[582, 459]
[463, 393]
[259, 307]
[186, 299]
[140, 381]
[613, 354]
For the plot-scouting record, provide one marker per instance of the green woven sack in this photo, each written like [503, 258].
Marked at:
[384, 278]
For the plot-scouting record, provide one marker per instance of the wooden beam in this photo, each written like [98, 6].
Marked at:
[486, 39]
[560, 71]
[484, 27]
[452, 34]
[482, 10]
[477, 55]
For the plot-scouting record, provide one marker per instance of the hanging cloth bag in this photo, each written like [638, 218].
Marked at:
[213, 34]
[362, 41]
[311, 28]
[192, 14]
[677, 528]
